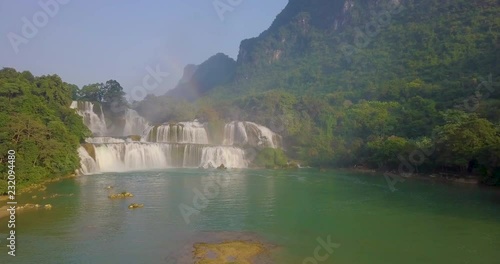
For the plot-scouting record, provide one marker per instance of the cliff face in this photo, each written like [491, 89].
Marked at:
[293, 27]
[363, 46]
[198, 80]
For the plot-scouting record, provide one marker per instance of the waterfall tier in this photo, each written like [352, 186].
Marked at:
[134, 123]
[183, 132]
[235, 134]
[132, 156]
[129, 143]
[94, 120]
[249, 133]
[131, 123]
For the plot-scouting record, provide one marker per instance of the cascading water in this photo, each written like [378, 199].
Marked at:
[231, 157]
[235, 133]
[146, 156]
[95, 122]
[183, 132]
[103, 140]
[179, 145]
[249, 133]
[87, 163]
[134, 123]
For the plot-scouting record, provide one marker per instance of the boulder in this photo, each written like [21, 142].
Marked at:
[135, 206]
[121, 195]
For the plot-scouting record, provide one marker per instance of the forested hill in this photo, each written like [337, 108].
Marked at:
[38, 124]
[365, 83]
[372, 49]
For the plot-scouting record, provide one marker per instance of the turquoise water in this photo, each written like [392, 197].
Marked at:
[421, 222]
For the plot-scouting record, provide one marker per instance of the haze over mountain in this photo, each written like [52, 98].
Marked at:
[368, 47]
[361, 83]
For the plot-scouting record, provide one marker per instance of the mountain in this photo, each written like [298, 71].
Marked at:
[366, 49]
[197, 80]
[368, 83]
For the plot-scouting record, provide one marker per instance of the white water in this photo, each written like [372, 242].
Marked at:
[96, 123]
[235, 133]
[87, 163]
[231, 157]
[243, 133]
[146, 156]
[134, 123]
[183, 144]
[103, 140]
[183, 132]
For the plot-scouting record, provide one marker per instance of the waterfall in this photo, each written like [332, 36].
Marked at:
[249, 133]
[103, 140]
[95, 122]
[231, 157]
[133, 144]
[134, 123]
[87, 163]
[183, 132]
[130, 124]
[133, 156]
[235, 133]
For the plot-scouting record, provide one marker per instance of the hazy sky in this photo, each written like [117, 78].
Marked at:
[95, 40]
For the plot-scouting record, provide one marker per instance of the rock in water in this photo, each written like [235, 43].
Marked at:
[121, 195]
[135, 206]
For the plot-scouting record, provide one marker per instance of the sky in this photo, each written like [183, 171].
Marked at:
[94, 41]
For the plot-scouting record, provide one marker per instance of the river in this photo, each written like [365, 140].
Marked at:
[291, 210]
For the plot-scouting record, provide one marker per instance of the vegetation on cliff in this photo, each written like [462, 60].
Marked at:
[373, 83]
[39, 126]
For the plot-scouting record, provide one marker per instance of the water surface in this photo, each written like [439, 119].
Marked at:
[421, 222]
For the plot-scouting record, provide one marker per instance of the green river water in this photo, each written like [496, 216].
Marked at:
[421, 222]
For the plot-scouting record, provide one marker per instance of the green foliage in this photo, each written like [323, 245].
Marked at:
[39, 126]
[110, 94]
[271, 158]
[463, 137]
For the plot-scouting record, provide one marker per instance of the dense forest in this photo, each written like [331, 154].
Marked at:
[402, 86]
[39, 126]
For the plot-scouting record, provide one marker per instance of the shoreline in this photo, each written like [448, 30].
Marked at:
[27, 189]
[437, 176]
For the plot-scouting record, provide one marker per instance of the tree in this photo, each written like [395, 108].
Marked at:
[91, 92]
[112, 92]
[461, 139]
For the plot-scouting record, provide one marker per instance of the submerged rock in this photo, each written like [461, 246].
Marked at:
[221, 167]
[48, 206]
[135, 206]
[293, 165]
[121, 195]
[109, 187]
[228, 252]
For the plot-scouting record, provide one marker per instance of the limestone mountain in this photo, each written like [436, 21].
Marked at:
[197, 80]
[364, 49]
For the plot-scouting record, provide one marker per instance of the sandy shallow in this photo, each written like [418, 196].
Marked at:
[223, 247]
